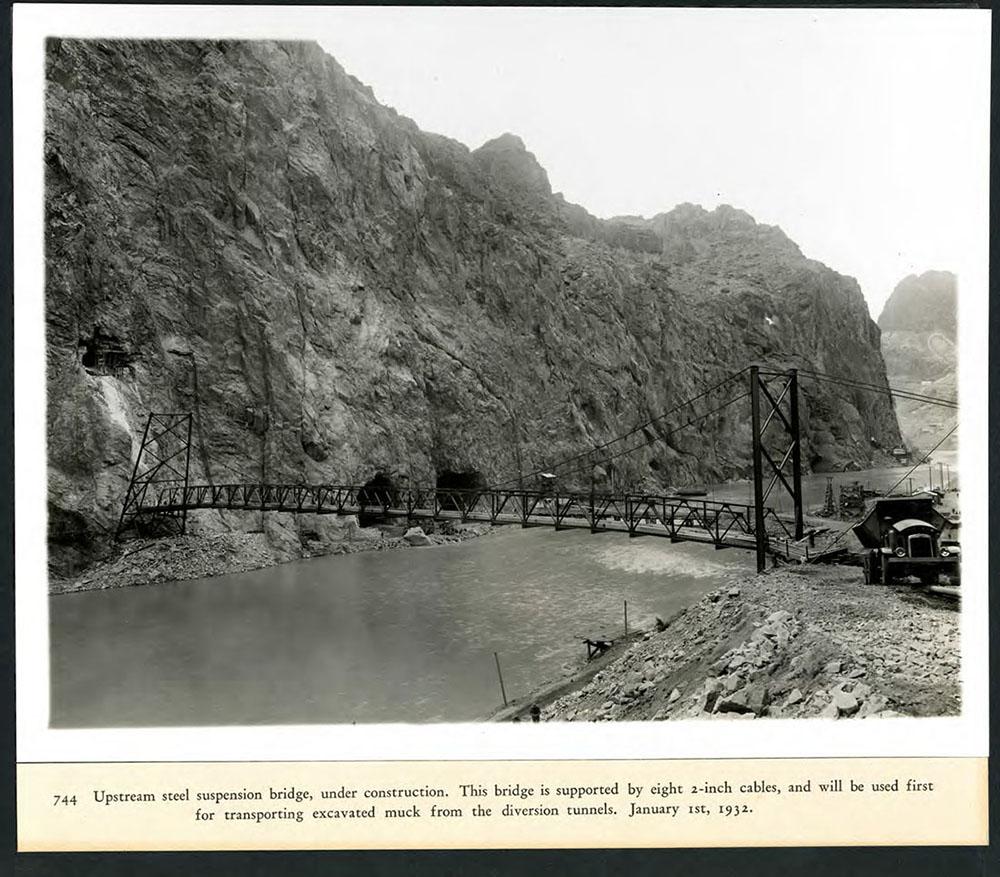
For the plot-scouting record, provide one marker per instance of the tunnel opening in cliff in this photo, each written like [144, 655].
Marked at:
[104, 353]
[379, 490]
[470, 479]
[449, 479]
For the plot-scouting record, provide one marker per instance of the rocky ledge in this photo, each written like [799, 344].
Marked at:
[795, 643]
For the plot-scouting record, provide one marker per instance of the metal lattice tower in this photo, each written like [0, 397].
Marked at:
[829, 509]
[164, 460]
[784, 392]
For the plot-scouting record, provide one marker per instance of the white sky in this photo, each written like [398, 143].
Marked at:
[863, 135]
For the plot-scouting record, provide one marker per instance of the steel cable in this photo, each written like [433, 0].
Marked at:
[662, 436]
[885, 390]
[913, 469]
[631, 432]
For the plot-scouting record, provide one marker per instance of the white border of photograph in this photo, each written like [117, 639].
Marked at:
[966, 735]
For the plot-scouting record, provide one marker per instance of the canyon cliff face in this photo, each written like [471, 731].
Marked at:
[240, 230]
[919, 337]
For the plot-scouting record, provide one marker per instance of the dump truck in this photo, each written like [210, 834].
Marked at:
[901, 537]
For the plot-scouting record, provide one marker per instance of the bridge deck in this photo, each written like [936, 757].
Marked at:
[722, 524]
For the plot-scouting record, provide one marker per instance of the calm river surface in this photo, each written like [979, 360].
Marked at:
[405, 635]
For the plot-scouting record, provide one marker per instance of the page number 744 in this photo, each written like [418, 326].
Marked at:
[64, 800]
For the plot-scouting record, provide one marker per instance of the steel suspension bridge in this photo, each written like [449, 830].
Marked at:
[160, 490]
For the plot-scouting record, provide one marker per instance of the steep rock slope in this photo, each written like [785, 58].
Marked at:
[240, 230]
[919, 338]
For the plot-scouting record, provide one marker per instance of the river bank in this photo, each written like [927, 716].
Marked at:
[796, 642]
[202, 555]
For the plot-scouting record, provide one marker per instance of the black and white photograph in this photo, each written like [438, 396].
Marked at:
[514, 366]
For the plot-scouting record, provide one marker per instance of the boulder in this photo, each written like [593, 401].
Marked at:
[830, 711]
[417, 537]
[806, 664]
[734, 703]
[731, 683]
[847, 704]
[873, 706]
[714, 685]
[756, 699]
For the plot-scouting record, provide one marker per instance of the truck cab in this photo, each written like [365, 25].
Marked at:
[902, 538]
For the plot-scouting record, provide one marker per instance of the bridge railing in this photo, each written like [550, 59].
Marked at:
[637, 513]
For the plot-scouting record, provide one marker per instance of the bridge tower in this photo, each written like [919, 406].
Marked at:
[164, 459]
[771, 402]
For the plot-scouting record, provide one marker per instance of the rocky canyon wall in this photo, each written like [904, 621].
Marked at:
[919, 342]
[240, 230]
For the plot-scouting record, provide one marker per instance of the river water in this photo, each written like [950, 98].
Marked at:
[943, 470]
[403, 636]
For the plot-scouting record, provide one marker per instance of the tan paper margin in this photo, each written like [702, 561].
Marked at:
[955, 812]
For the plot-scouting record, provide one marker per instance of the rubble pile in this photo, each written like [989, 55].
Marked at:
[447, 533]
[176, 558]
[794, 643]
[195, 556]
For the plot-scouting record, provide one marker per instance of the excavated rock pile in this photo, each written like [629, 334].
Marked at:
[155, 561]
[795, 643]
[201, 555]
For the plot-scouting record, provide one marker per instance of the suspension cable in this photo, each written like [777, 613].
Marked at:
[649, 441]
[913, 469]
[887, 390]
[632, 431]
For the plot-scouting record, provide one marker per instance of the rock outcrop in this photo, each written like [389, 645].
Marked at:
[240, 230]
[919, 343]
